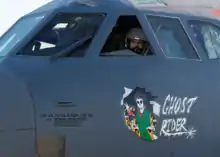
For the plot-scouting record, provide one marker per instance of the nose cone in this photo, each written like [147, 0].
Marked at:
[16, 115]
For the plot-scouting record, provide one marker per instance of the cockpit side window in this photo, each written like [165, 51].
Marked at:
[208, 36]
[172, 38]
[127, 38]
[18, 32]
[63, 32]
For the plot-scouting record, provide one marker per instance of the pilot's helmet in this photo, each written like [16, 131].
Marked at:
[136, 41]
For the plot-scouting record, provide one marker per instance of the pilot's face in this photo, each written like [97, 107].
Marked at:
[135, 43]
[138, 46]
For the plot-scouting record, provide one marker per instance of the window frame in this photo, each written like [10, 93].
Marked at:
[181, 21]
[26, 39]
[44, 23]
[146, 26]
[208, 21]
[146, 29]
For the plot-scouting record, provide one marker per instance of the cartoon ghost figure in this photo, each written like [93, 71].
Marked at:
[141, 120]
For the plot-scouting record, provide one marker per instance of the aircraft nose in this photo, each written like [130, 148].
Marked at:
[16, 107]
[16, 116]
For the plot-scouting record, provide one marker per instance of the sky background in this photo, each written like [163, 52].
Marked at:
[11, 11]
[214, 3]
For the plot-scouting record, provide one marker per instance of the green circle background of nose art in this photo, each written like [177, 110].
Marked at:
[139, 118]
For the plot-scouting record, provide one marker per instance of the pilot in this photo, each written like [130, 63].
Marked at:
[135, 43]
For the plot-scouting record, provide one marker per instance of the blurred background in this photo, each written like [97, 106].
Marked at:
[12, 10]
[214, 3]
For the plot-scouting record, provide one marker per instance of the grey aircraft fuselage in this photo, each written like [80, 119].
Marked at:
[36, 90]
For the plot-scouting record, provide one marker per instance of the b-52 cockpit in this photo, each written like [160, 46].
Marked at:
[111, 78]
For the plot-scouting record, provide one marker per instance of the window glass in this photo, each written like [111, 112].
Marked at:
[17, 33]
[62, 33]
[208, 36]
[172, 37]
